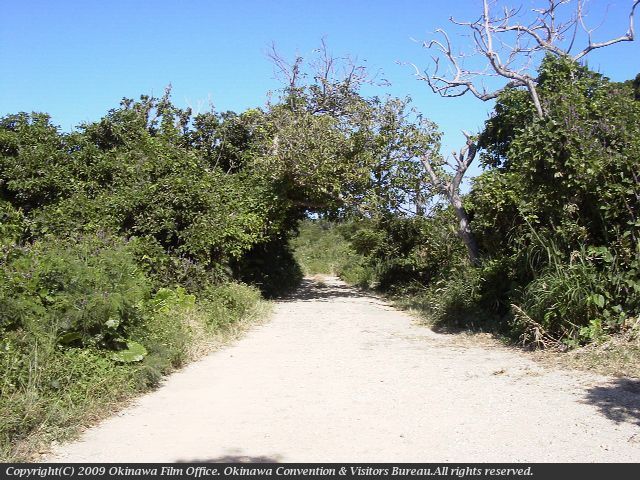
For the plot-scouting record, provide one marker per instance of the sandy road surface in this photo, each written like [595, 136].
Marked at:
[340, 376]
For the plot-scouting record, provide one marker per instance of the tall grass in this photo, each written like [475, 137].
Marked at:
[580, 295]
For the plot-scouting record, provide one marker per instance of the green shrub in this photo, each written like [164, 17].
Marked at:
[135, 173]
[12, 227]
[582, 298]
[356, 271]
[48, 391]
[83, 293]
[163, 330]
[51, 387]
[172, 270]
[227, 303]
[559, 202]
[454, 300]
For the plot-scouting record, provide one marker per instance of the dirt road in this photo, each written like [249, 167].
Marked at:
[341, 376]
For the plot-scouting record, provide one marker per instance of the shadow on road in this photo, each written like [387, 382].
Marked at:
[310, 290]
[619, 400]
[233, 458]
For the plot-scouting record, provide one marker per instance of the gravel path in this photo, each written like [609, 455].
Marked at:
[341, 376]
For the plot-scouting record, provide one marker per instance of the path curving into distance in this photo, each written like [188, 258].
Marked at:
[340, 376]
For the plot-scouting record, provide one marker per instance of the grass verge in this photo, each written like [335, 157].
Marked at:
[54, 392]
[615, 355]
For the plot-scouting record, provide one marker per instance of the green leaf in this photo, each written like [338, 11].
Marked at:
[134, 353]
[598, 300]
[113, 322]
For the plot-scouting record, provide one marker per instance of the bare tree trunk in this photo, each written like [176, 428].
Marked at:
[420, 207]
[533, 92]
[451, 189]
[464, 230]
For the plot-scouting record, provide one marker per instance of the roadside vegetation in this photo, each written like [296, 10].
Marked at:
[555, 218]
[116, 268]
[127, 244]
[544, 247]
[321, 248]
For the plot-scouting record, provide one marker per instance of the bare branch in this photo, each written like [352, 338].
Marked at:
[627, 37]
[462, 80]
[510, 48]
[290, 71]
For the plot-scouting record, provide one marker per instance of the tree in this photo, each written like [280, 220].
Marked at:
[398, 135]
[509, 48]
[449, 185]
[559, 204]
[337, 151]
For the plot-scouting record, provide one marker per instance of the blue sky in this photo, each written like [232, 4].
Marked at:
[75, 59]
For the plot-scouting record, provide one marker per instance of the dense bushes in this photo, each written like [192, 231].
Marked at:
[116, 246]
[270, 266]
[81, 328]
[555, 214]
[561, 202]
[142, 185]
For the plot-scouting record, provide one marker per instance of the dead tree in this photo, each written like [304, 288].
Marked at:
[508, 49]
[450, 187]
[328, 81]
